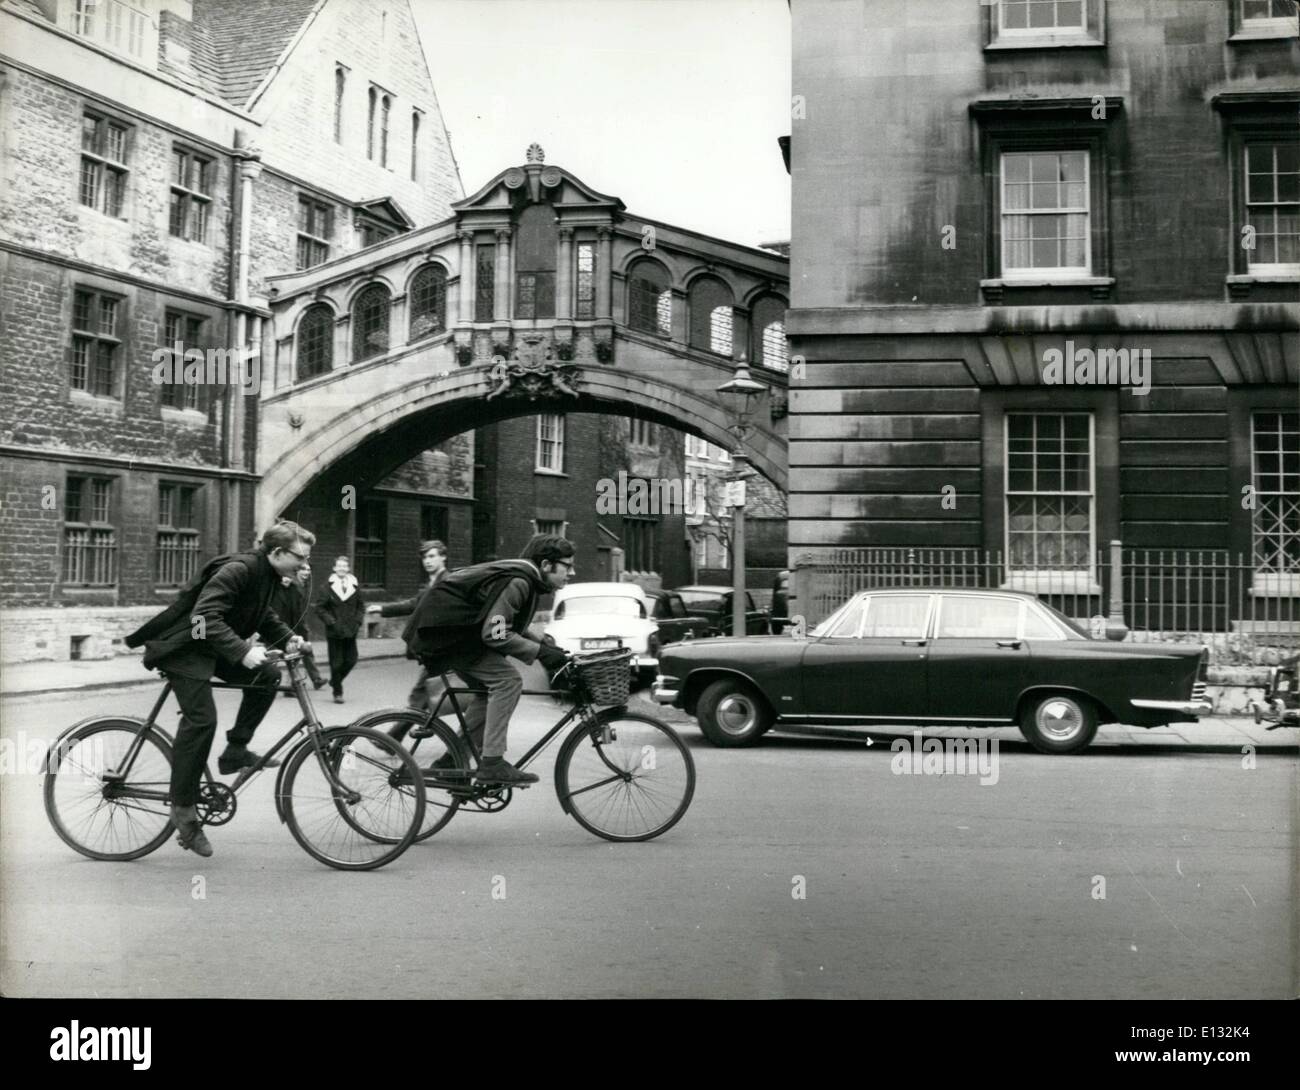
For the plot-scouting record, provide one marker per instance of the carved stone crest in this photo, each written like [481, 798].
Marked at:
[532, 371]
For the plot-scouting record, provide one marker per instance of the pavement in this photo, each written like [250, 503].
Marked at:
[124, 671]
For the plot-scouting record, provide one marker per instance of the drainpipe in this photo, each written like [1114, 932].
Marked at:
[248, 167]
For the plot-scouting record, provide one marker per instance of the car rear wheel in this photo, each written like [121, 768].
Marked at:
[731, 713]
[1059, 723]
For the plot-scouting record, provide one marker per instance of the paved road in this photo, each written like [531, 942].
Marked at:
[913, 885]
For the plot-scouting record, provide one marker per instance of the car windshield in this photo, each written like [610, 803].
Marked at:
[694, 599]
[599, 604]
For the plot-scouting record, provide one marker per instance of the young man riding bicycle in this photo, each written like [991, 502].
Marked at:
[208, 631]
[477, 617]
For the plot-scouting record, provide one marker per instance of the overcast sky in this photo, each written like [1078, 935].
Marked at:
[674, 106]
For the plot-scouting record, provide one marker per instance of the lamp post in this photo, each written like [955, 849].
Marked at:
[739, 393]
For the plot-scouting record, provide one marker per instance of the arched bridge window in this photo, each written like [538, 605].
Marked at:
[370, 323]
[649, 299]
[428, 296]
[768, 324]
[315, 342]
[712, 316]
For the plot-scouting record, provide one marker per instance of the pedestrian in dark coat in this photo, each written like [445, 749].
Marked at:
[208, 630]
[291, 606]
[342, 607]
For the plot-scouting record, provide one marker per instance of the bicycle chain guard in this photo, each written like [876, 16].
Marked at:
[216, 804]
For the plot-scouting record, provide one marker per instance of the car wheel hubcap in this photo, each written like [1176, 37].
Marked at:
[735, 714]
[1060, 719]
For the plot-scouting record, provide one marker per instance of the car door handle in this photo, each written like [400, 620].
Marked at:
[915, 643]
[1009, 643]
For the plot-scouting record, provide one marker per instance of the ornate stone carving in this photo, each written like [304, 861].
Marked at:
[533, 371]
[551, 177]
[535, 154]
[514, 178]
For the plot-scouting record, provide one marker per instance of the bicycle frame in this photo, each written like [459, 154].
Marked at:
[309, 722]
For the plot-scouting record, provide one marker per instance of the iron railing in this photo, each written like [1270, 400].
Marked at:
[1243, 615]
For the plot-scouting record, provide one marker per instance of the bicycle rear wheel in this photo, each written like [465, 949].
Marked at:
[625, 776]
[355, 805]
[444, 792]
[104, 816]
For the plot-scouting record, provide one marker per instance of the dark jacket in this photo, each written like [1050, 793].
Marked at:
[408, 607]
[291, 605]
[342, 616]
[450, 618]
[233, 596]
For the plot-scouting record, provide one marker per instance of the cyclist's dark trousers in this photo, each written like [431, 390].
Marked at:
[343, 656]
[199, 722]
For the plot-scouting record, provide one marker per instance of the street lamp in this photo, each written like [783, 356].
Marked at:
[739, 394]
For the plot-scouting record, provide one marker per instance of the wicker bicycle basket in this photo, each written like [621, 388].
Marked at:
[607, 676]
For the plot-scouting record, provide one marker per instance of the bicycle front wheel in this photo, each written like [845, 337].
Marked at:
[357, 802]
[625, 776]
[101, 808]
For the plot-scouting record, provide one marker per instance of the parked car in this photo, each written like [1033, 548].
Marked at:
[714, 603]
[675, 622]
[595, 616]
[978, 658]
[1281, 703]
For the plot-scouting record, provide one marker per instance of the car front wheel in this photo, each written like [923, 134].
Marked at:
[731, 713]
[1058, 723]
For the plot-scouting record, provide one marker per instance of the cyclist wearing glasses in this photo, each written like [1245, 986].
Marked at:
[475, 618]
[208, 630]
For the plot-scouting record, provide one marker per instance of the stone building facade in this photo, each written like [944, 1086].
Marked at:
[1046, 268]
[162, 158]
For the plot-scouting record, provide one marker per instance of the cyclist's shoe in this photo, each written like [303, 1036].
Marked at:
[236, 758]
[447, 768]
[499, 770]
[189, 831]
[424, 731]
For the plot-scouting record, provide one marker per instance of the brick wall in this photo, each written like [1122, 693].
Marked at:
[46, 635]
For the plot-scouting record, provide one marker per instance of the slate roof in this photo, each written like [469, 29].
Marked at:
[242, 39]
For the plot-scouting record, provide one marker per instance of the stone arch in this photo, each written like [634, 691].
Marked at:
[649, 305]
[711, 314]
[376, 433]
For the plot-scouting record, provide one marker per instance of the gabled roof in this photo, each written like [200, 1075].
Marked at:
[232, 44]
[389, 209]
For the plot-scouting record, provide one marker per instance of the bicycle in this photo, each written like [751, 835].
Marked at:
[357, 806]
[621, 775]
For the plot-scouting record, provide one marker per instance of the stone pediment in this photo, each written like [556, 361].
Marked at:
[533, 182]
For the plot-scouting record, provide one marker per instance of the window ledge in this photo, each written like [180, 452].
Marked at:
[1099, 287]
[192, 418]
[1045, 41]
[1282, 29]
[1053, 582]
[549, 472]
[110, 406]
[1265, 278]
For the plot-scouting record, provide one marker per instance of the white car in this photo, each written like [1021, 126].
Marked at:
[596, 616]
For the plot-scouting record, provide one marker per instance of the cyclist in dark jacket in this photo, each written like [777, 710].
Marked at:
[208, 630]
[472, 620]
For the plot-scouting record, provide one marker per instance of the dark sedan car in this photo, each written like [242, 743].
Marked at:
[675, 621]
[915, 657]
[714, 602]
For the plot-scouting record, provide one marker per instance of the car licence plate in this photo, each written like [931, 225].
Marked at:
[598, 645]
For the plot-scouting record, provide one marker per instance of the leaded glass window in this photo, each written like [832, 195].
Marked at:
[1049, 493]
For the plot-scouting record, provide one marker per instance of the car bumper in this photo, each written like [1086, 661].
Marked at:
[666, 690]
[1193, 708]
